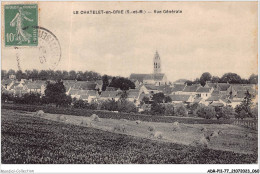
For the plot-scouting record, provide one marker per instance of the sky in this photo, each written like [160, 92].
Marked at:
[215, 37]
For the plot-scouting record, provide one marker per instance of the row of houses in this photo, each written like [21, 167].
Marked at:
[215, 94]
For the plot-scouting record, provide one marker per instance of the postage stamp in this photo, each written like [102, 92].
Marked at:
[18, 19]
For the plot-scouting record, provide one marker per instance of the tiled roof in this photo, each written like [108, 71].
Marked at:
[154, 76]
[132, 94]
[218, 104]
[34, 85]
[223, 86]
[240, 94]
[180, 97]
[213, 98]
[110, 88]
[73, 92]
[151, 87]
[142, 77]
[204, 89]
[139, 77]
[7, 81]
[239, 87]
[178, 87]
[215, 93]
[92, 93]
[192, 88]
[110, 94]
[84, 97]
[197, 100]
[212, 85]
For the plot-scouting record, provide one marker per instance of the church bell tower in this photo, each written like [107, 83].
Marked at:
[156, 63]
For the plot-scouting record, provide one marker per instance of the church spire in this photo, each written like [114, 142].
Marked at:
[156, 63]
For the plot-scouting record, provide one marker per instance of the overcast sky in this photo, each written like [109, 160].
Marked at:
[215, 37]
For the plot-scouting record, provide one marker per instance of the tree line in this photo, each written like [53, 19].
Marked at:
[231, 78]
[52, 75]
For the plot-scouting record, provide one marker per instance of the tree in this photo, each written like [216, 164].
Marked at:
[10, 72]
[110, 105]
[43, 75]
[58, 75]
[34, 75]
[169, 109]
[225, 112]
[207, 112]
[145, 100]
[180, 110]
[105, 82]
[72, 75]
[157, 109]
[215, 79]
[244, 109]
[189, 82]
[231, 78]
[168, 99]
[65, 75]
[253, 79]
[204, 78]
[122, 83]
[80, 76]
[56, 93]
[126, 106]
[20, 75]
[3, 74]
[158, 97]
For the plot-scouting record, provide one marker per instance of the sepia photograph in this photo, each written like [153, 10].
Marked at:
[130, 83]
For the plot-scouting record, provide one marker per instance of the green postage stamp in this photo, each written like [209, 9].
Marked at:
[21, 21]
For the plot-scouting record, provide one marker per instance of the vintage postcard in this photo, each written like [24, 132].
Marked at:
[130, 83]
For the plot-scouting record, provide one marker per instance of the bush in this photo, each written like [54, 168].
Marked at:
[110, 105]
[169, 109]
[241, 112]
[207, 112]
[93, 105]
[5, 97]
[192, 108]
[157, 109]
[126, 106]
[180, 110]
[225, 112]
[80, 104]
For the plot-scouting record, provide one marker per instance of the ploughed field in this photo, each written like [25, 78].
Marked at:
[63, 139]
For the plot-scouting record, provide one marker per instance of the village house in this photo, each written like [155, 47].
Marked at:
[109, 95]
[213, 101]
[133, 96]
[178, 88]
[149, 89]
[204, 92]
[190, 90]
[90, 96]
[36, 87]
[178, 98]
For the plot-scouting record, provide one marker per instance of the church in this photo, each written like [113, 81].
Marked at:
[156, 78]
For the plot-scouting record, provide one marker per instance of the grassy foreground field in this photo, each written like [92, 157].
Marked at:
[30, 140]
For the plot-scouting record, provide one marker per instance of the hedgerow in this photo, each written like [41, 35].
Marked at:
[106, 114]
